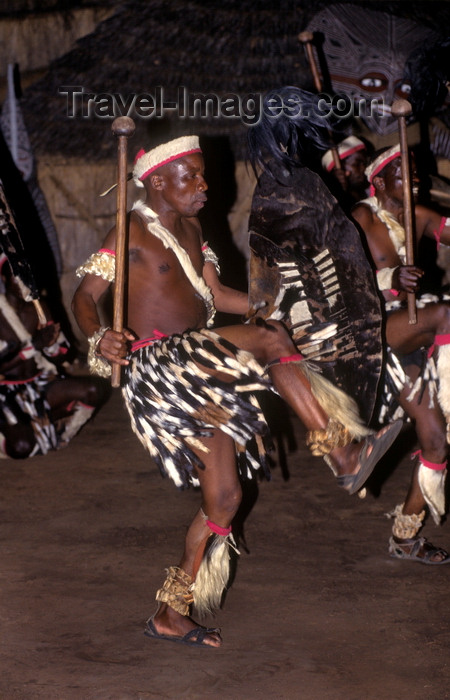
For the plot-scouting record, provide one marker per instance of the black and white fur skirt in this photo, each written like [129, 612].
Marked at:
[178, 389]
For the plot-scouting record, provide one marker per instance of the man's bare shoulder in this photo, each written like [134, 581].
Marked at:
[138, 232]
[363, 214]
[362, 210]
[135, 226]
[193, 224]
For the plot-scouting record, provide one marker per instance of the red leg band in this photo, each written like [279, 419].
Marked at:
[286, 359]
[443, 339]
[223, 531]
[431, 465]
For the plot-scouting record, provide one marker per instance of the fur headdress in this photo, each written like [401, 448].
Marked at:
[146, 162]
[345, 149]
[377, 165]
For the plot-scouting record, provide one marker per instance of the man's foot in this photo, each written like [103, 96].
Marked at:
[169, 625]
[417, 549]
[374, 447]
[197, 636]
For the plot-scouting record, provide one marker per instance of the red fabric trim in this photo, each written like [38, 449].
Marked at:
[383, 165]
[346, 154]
[291, 358]
[139, 154]
[142, 343]
[107, 250]
[26, 353]
[169, 160]
[70, 406]
[442, 339]
[438, 232]
[430, 465]
[20, 381]
[223, 531]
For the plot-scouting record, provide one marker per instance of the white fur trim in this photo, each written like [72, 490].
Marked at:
[379, 163]
[347, 147]
[156, 228]
[432, 485]
[96, 363]
[443, 370]
[75, 422]
[212, 575]
[165, 153]
[24, 336]
[384, 277]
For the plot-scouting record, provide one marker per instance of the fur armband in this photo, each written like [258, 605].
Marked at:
[384, 277]
[97, 364]
[102, 264]
[27, 352]
[210, 256]
[59, 347]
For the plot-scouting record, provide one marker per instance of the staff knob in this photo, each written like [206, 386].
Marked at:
[123, 126]
[401, 108]
[305, 37]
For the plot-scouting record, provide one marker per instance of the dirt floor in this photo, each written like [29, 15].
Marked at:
[317, 609]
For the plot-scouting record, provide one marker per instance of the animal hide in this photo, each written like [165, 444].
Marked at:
[308, 268]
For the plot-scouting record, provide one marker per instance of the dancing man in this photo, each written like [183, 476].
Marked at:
[419, 356]
[189, 389]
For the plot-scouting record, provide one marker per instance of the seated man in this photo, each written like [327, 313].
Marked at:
[188, 389]
[41, 408]
[419, 367]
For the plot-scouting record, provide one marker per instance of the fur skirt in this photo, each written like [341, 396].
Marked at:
[180, 388]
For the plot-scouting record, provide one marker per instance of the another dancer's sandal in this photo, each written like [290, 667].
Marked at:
[419, 550]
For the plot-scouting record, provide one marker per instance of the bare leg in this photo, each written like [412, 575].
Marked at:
[430, 431]
[88, 390]
[19, 440]
[432, 320]
[269, 343]
[221, 497]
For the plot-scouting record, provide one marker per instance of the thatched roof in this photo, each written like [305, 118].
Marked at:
[226, 46]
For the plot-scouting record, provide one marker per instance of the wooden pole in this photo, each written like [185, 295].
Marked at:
[42, 318]
[306, 38]
[123, 128]
[401, 109]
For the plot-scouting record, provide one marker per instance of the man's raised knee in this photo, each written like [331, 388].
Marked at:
[229, 500]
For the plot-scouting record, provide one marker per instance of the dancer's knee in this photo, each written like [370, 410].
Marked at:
[225, 504]
[443, 325]
[432, 439]
[274, 340]
[95, 393]
[19, 446]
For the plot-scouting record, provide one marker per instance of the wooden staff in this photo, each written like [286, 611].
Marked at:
[123, 128]
[42, 318]
[401, 109]
[306, 38]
